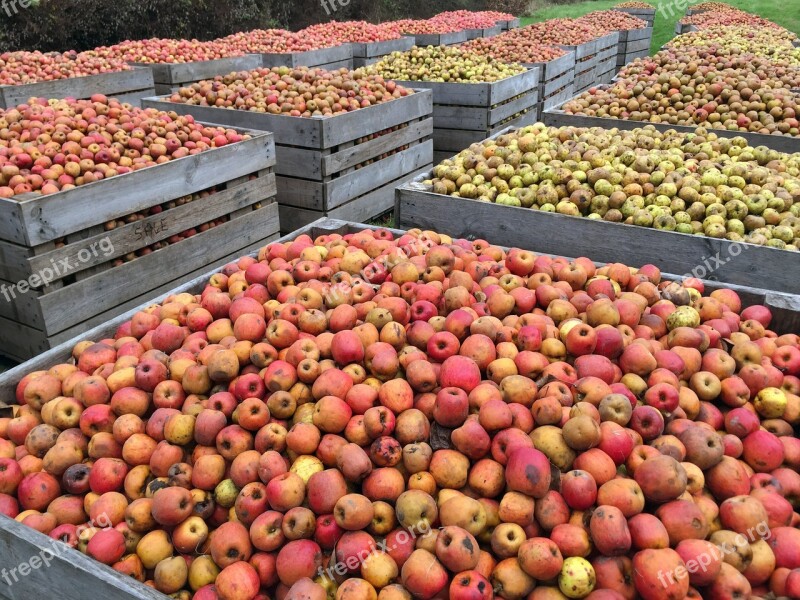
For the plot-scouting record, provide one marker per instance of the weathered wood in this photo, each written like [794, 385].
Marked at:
[183, 73]
[478, 94]
[558, 98]
[309, 58]
[509, 24]
[646, 14]
[325, 196]
[439, 39]
[33, 219]
[554, 233]
[453, 141]
[70, 305]
[558, 118]
[134, 236]
[59, 571]
[363, 208]
[484, 32]
[119, 83]
[315, 132]
[382, 48]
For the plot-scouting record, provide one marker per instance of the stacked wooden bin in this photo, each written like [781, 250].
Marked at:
[464, 113]
[62, 256]
[646, 14]
[335, 57]
[439, 39]
[367, 53]
[633, 44]
[593, 59]
[556, 80]
[344, 166]
[170, 77]
[484, 32]
[126, 86]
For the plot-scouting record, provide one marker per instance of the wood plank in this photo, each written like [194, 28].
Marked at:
[74, 304]
[381, 48]
[511, 87]
[183, 73]
[556, 85]
[522, 102]
[325, 196]
[439, 39]
[460, 117]
[134, 236]
[315, 132]
[65, 573]
[46, 218]
[349, 157]
[361, 209]
[558, 99]
[554, 233]
[309, 58]
[110, 84]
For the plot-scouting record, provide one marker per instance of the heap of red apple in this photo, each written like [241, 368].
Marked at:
[421, 27]
[365, 416]
[513, 48]
[51, 146]
[297, 92]
[613, 20]
[467, 19]
[19, 68]
[167, 50]
[335, 33]
[728, 16]
[636, 4]
[564, 31]
[270, 41]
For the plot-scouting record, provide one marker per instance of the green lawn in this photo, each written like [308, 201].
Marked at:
[785, 13]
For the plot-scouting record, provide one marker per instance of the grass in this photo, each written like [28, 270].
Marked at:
[785, 13]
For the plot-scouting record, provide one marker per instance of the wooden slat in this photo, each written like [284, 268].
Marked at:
[134, 236]
[68, 574]
[320, 196]
[439, 39]
[183, 73]
[381, 48]
[557, 84]
[320, 133]
[478, 94]
[45, 218]
[74, 304]
[309, 58]
[558, 99]
[554, 233]
[110, 84]
[500, 113]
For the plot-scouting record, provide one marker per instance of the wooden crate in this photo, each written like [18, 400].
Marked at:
[646, 14]
[126, 86]
[366, 54]
[324, 58]
[556, 80]
[587, 56]
[633, 43]
[605, 63]
[464, 113]
[775, 270]
[509, 24]
[62, 238]
[170, 77]
[326, 163]
[484, 32]
[681, 28]
[439, 39]
[556, 117]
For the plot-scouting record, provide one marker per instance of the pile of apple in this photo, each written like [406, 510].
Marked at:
[421, 27]
[442, 64]
[296, 92]
[570, 32]
[20, 68]
[511, 47]
[167, 50]
[700, 86]
[613, 20]
[730, 16]
[49, 146]
[773, 44]
[335, 33]
[696, 184]
[371, 416]
[706, 6]
[269, 41]
[635, 4]
[466, 19]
